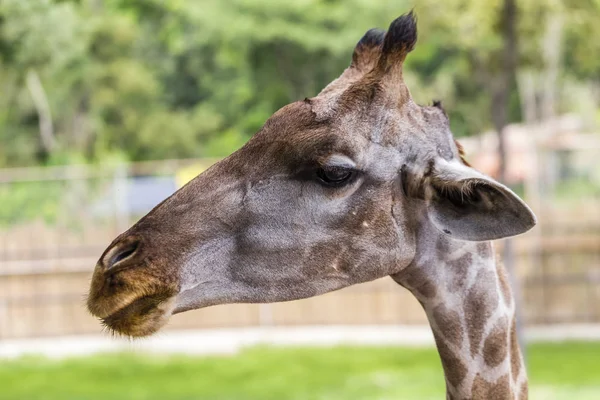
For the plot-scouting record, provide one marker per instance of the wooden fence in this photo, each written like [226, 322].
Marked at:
[46, 265]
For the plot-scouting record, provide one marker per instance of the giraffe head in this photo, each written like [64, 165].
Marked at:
[326, 195]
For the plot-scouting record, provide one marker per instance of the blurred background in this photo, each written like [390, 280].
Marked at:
[109, 106]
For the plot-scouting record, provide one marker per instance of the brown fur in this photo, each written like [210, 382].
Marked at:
[484, 250]
[524, 392]
[461, 152]
[499, 390]
[458, 281]
[367, 51]
[420, 284]
[400, 41]
[455, 369]
[479, 305]
[448, 322]
[495, 346]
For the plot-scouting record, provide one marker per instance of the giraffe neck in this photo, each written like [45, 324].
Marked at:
[471, 310]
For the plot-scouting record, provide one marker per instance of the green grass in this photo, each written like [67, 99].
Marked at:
[557, 371]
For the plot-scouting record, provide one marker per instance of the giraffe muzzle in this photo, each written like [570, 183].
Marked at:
[132, 291]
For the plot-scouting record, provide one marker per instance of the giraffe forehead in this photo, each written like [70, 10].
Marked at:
[404, 125]
[379, 137]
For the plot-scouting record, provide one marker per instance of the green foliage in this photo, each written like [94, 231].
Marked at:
[25, 201]
[160, 79]
[557, 371]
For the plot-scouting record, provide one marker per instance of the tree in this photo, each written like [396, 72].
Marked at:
[158, 79]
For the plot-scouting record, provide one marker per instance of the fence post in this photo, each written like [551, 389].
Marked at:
[122, 212]
[3, 318]
[265, 315]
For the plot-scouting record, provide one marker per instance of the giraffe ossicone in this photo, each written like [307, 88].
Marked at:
[352, 185]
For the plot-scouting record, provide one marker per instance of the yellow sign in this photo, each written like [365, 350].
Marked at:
[186, 174]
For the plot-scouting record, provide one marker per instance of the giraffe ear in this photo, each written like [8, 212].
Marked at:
[468, 205]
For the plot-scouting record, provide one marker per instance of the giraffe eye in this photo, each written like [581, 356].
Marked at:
[335, 176]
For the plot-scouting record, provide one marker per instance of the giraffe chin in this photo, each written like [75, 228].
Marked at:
[142, 317]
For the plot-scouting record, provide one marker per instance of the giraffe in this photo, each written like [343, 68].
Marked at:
[354, 184]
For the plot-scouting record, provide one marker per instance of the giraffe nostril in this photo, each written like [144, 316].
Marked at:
[121, 252]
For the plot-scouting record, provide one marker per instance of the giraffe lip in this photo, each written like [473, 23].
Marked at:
[141, 317]
[142, 304]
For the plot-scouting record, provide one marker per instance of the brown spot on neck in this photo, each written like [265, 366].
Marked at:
[495, 347]
[454, 369]
[498, 390]
[484, 249]
[448, 323]
[460, 269]
[480, 303]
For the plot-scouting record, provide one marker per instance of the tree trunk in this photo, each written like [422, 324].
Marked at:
[40, 101]
[552, 57]
[526, 84]
[502, 82]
